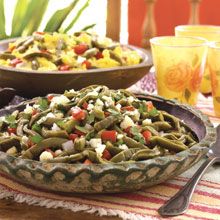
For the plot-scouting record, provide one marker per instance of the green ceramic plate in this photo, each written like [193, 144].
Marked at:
[111, 178]
[34, 83]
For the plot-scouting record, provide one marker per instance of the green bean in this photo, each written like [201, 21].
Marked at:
[20, 126]
[124, 155]
[79, 144]
[38, 116]
[29, 131]
[168, 144]
[105, 123]
[99, 114]
[9, 142]
[112, 149]
[145, 154]
[48, 133]
[161, 126]
[69, 125]
[172, 119]
[67, 159]
[131, 143]
[151, 129]
[50, 121]
[37, 149]
[91, 155]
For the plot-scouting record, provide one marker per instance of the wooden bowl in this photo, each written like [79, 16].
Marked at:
[118, 177]
[30, 83]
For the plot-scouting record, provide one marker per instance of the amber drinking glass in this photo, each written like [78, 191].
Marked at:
[179, 64]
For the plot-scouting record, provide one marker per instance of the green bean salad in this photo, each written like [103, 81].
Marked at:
[93, 125]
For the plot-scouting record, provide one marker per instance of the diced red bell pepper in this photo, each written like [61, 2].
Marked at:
[150, 106]
[85, 105]
[73, 136]
[87, 64]
[12, 130]
[147, 135]
[127, 108]
[78, 114]
[34, 112]
[64, 67]
[15, 62]
[50, 97]
[99, 55]
[30, 143]
[128, 131]
[106, 155]
[79, 133]
[106, 114]
[109, 136]
[87, 162]
[11, 48]
[80, 49]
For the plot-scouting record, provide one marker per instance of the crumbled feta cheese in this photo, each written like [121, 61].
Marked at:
[36, 106]
[80, 59]
[41, 120]
[90, 107]
[130, 99]
[146, 121]
[50, 115]
[99, 102]
[91, 101]
[45, 155]
[55, 127]
[108, 101]
[123, 147]
[58, 152]
[136, 114]
[67, 146]
[95, 141]
[127, 122]
[118, 106]
[72, 91]
[99, 149]
[24, 140]
[59, 100]
[120, 136]
[12, 151]
[28, 109]
[93, 93]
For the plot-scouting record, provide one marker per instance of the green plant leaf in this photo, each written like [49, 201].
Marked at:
[36, 10]
[75, 19]
[88, 27]
[2, 20]
[19, 20]
[36, 139]
[217, 99]
[187, 94]
[58, 17]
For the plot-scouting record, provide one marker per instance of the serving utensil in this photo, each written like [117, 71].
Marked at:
[179, 203]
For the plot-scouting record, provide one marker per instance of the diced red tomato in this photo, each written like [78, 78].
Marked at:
[73, 136]
[99, 55]
[49, 150]
[15, 62]
[50, 97]
[109, 136]
[106, 114]
[127, 130]
[106, 155]
[78, 114]
[127, 108]
[79, 133]
[34, 112]
[150, 106]
[87, 162]
[12, 131]
[87, 64]
[80, 49]
[85, 105]
[64, 67]
[147, 135]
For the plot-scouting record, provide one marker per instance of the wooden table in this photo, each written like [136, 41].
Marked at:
[10, 210]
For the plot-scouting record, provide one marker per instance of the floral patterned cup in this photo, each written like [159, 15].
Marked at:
[179, 64]
[210, 33]
[214, 68]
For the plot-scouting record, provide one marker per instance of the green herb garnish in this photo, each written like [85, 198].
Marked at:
[153, 112]
[36, 127]
[36, 139]
[43, 104]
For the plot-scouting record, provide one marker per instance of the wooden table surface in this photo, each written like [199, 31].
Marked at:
[10, 210]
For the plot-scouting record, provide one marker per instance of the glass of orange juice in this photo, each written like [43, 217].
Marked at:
[179, 64]
[210, 33]
[214, 68]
